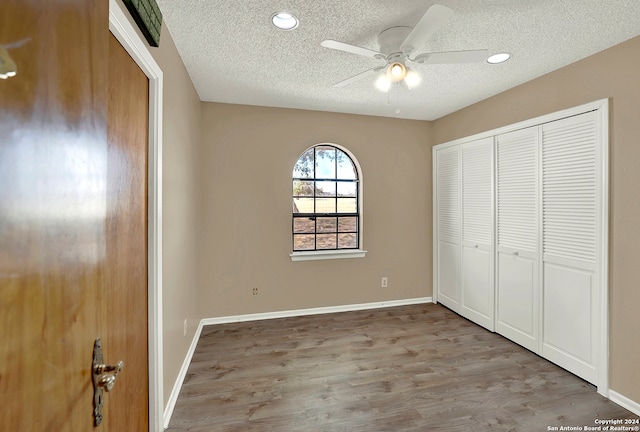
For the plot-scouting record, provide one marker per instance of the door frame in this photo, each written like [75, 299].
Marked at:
[121, 27]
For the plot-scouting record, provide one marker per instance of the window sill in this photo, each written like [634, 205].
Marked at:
[325, 255]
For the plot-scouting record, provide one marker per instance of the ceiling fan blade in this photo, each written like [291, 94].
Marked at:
[341, 46]
[471, 56]
[359, 77]
[431, 21]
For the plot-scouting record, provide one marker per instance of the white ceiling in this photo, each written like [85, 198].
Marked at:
[235, 55]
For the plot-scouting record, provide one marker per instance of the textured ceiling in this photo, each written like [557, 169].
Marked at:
[235, 55]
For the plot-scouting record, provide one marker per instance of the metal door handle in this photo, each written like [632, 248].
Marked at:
[108, 380]
[102, 368]
[104, 378]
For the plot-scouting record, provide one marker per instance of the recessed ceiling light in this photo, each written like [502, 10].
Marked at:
[284, 21]
[499, 58]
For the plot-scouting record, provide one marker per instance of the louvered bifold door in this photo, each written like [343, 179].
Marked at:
[570, 196]
[517, 290]
[447, 201]
[477, 286]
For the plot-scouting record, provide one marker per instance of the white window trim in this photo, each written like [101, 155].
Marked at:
[317, 255]
[327, 254]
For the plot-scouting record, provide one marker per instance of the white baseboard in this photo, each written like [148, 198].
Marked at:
[314, 311]
[625, 402]
[173, 397]
[177, 386]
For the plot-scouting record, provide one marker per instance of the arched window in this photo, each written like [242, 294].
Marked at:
[326, 201]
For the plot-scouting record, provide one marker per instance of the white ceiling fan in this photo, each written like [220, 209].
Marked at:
[397, 44]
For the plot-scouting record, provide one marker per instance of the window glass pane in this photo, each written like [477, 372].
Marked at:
[304, 166]
[327, 225]
[303, 188]
[304, 225]
[347, 189]
[347, 205]
[326, 241]
[326, 205]
[304, 242]
[346, 169]
[348, 224]
[326, 188]
[325, 162]
[347, 241]
[325, 182]
[303, 205]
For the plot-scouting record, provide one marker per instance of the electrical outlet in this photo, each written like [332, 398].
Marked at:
[384, 282]
[255, 291]
[185, 328]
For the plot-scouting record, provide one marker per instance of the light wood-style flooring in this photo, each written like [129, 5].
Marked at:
[409, 368]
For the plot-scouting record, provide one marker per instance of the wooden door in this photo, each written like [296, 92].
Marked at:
[64, 238]
[126, 337]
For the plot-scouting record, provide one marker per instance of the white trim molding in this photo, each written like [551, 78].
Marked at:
[327, 254]
[601, 104]
[182, 373]
[602, 107]
[624, 402]
[315, 311]
[121, 28]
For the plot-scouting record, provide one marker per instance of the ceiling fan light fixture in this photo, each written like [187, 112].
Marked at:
[499, 58]
[284, 21]
[396, 72]
[412, 79]
[383, 83]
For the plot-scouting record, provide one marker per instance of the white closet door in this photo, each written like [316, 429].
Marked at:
[447, 178]
[517, 312]
[570, 196]
[478, 299]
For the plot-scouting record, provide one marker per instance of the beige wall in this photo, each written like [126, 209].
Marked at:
[180, 208]
[248, 156]
[614, 74]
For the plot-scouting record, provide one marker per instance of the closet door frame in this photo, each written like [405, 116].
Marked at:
[601, 108]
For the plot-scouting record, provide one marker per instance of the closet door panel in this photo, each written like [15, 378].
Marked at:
[569, 319]
[477, 286]
[570, 197]
[518, 300]
[448, 274]
[447, 184]
[517, 237]
[478, 292]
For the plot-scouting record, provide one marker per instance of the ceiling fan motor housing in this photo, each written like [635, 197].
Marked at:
[390, 40]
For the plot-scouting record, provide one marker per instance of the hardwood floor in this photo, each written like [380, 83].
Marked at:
[410, 368]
